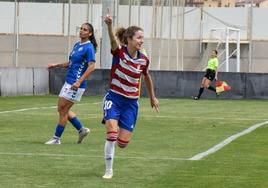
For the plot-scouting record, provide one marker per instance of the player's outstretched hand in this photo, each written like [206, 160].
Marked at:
[49, 66]
[108, 18]
[155, 103]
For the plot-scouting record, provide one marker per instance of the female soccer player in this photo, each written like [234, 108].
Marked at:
[121, 102]
[120, 38]
[211, 74]
[80, 65]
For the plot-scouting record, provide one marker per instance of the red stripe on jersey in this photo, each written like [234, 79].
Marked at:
[127, 83]
[128, 72]
[122, 56]
[125, 93]
[132, 70]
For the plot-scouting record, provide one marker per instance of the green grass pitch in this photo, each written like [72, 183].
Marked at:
[156, 157]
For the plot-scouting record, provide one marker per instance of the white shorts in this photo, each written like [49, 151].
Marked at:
[71, 95]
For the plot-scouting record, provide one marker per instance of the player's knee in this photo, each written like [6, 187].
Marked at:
[62, 110]
[111, 136]
[122, 143]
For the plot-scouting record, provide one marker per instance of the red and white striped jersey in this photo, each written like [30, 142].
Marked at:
[126, 72]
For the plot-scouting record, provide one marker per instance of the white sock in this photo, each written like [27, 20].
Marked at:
[109, 154]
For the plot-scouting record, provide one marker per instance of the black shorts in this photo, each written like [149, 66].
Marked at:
[210, 74]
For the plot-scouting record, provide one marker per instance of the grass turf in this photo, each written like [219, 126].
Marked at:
[154, 158]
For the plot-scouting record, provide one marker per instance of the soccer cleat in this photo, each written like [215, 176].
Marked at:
[53, 141]
[108, 174]
[82, 134]
[196, 98]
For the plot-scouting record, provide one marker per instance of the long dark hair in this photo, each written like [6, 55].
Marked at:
[92, 37]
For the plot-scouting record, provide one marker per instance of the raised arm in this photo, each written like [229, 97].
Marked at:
[108, 20]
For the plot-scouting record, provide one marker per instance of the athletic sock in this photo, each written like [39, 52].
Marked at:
[76, 123]
[109, 154]
[200, 92]
[59, 130]
[212, 88]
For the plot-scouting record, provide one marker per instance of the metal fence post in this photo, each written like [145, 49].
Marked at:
[16, 34]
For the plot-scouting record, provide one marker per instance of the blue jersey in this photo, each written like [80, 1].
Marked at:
[81, 54]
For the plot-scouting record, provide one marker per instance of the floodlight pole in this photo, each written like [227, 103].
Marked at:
[250, 26]
[160, 35]
[182, 37]
[106, 57]
[178, 38]
[69, 27]
[129, 12]
[227, 50]
[16, 33]
[88, 7]
[238, 52]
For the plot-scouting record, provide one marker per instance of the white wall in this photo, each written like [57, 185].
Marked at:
[51, 18]
[6, 17]
[192, 21]
[232, 17]
[79, 16]
[260, 26]
[39, 18]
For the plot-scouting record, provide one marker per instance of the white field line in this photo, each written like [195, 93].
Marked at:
[196, 117]
[228, 140]
[26, 109]
[38, 108]
[199, 156]
[183, 117]
[89, 156]
[146, 116]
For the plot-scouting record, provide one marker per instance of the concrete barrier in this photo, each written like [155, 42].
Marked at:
[97, 82]
[40, 81]
[183, 84]
[23, 81]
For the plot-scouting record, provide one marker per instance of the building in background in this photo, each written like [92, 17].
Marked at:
[255, 3]
[194, 3]
[264, 4]
[211, 3]
[227, 3]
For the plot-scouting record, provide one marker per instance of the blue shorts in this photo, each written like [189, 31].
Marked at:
[120, 108]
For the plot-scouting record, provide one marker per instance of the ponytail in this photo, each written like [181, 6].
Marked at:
[119, 33]
[93, 41]
[92, 36]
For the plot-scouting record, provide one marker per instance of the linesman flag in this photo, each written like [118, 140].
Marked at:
[222, 86]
